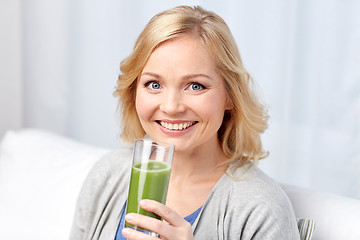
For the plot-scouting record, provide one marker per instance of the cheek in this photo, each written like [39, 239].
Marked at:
[140, 106]
[143, 105]
[212, 109]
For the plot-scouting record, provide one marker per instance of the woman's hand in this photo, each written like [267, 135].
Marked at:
[174, 228]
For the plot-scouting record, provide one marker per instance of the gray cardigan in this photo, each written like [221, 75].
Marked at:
[247, 205]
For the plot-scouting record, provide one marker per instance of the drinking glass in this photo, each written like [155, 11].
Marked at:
[150, 173]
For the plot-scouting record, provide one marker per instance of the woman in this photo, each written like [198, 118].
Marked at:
[185, 84]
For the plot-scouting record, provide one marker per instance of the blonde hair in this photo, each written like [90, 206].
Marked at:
[240, 131]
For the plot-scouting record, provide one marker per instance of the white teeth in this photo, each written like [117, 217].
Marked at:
[176, 126]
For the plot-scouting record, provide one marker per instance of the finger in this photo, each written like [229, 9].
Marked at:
[163, 211]
[149, 223]
[132, 234]
[178, 228]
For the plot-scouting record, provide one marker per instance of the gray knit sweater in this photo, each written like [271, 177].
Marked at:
[247, 205]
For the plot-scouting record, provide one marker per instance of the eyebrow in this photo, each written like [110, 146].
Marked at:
[151, 74]
[198, 75]
[190, 76]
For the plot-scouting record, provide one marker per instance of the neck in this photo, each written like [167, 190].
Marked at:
[199, 163]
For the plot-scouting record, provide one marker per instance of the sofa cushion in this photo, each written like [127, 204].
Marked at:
[41, 174]
[336, 217]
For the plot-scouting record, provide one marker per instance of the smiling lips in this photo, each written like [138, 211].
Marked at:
[176, 126]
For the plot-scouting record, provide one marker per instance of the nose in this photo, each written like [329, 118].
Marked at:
[172, 103]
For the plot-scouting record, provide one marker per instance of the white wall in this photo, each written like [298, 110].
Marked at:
[45, 69]
[11, 94]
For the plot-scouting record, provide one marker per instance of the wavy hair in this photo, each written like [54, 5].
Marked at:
[240, 131]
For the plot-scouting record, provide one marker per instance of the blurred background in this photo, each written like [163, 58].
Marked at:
[59, 61]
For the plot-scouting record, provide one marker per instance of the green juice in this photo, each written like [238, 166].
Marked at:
[148, 180]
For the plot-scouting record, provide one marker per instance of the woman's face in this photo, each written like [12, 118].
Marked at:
[180, 98]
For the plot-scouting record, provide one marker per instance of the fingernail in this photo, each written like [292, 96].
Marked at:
[125, 232]
[129, 217]
[143, 202]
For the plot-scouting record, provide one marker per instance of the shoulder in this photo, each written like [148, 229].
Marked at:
[257, 203]
[114, 158]
[253, 182]
[114, 161]
[112, 169]
[106, 172]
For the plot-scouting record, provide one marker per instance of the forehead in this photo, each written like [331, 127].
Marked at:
[184, 53]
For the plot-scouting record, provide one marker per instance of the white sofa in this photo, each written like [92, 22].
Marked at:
[41, 174]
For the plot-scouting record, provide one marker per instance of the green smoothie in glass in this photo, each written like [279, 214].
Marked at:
[150, 176]
[148, 181]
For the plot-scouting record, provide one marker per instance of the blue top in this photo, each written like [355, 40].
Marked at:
[191, 219]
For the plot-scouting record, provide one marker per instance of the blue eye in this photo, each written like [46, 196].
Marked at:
[196, 86]
[153, 85]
